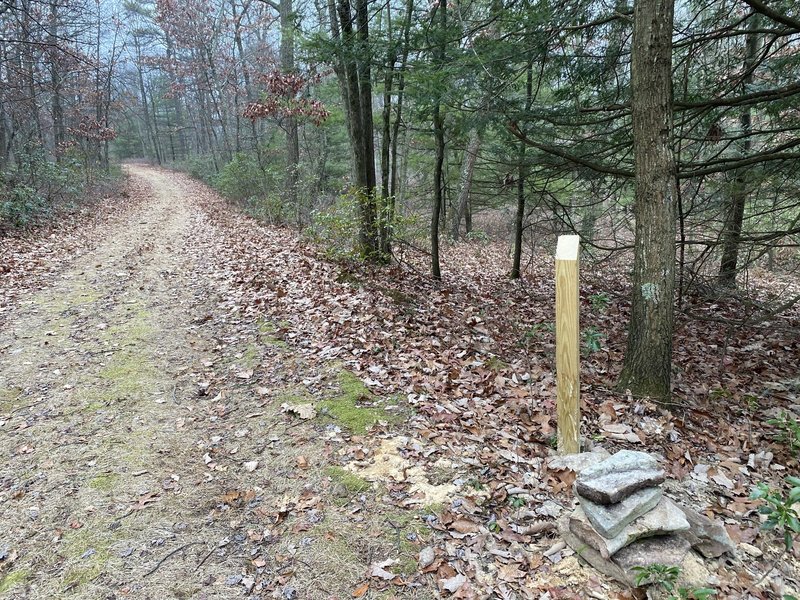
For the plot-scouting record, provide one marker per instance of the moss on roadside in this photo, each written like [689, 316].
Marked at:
[356, 407]
[351, 482]
[9, 580]
[104, 482]
[8, 396]
[84, 568]
[267, 330]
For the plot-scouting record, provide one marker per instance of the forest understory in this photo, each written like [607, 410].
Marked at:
[195, 405]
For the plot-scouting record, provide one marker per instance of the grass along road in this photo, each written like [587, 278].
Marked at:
[145, 454]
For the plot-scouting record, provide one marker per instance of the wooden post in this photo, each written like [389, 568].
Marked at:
[568, 385]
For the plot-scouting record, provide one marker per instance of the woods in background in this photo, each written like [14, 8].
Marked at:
[374, 125]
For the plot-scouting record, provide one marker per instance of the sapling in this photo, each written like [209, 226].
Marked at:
[666, 578]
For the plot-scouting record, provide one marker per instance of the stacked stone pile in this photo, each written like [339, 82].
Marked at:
[624, 520]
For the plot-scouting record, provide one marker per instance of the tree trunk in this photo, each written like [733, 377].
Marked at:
[467, 170]
[398, 117]
[358, 100]
[438, 133]
[290, 124]
[648, 357]
[385, 215]
[145, 106]
[55, 80]
[519, 219]
[522, 175]
[732, 231]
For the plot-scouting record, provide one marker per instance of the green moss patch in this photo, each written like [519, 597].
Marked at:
[402, 527]
[351, 482]
[129, 375]
[105, 482]
[267, 330]
[8, 397]
[356, 408]
[11, 579]
[86, 551]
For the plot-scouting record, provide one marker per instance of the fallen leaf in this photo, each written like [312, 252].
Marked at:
[379, 569]
[453, 584]
[304, 411]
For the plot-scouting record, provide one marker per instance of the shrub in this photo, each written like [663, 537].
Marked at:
[779, 509]
[243, 178]
[335, 228]
[200, 167]
[788, 431]
[666, 578]
[271, 209]
[20, 205]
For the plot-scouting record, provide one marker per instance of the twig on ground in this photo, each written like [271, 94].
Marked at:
[168, 555]
[206, 557]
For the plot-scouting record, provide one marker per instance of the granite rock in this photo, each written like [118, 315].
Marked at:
[610, 519]
[665, 518]
[577, 462]
[618, 477]
[586, 553]
[707, 537]
[670, 550]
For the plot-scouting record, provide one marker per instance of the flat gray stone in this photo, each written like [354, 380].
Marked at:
[618, 477]
[610, 519]
[664, 519]
[590, 555]
[706, 536]
[663, 550]
[669, 550]
[578, 462]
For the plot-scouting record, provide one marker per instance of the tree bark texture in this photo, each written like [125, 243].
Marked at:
[734, 220]
[465, 188]
[648, 358]
[438, 133]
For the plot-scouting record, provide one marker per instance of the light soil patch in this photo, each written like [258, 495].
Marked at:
[388, 464]
[135, 400]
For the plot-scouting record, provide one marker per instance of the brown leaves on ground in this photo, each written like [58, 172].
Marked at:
[471, 360]
[473, 356]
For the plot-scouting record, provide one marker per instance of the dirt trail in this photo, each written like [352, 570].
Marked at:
[119, 478]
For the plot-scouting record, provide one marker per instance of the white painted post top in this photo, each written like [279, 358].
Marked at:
[567, 248]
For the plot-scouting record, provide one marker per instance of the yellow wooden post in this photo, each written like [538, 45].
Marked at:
[568, 385]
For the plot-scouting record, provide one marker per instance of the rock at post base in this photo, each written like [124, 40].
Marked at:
[577, 462]
[618, 477]
[707, 537]
[610, 519]
[669, 550]
[590, 555]
[666, 518]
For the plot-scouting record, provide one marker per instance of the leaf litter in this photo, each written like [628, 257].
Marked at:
[468, 362]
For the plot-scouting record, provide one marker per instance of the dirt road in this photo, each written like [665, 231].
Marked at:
[140, 458]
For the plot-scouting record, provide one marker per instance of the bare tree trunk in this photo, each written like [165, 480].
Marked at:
[356, 73]
[292, 133]
[145, 106]
[465, 188]
[438, 133]
[385, 214]
[648, 357]
[519, 218]
[732, 231]
[55, 80]
[398, 118]
[522, 175]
